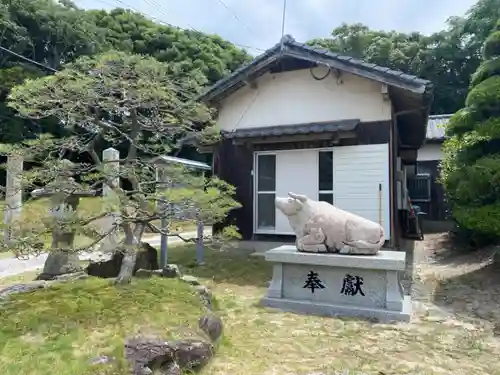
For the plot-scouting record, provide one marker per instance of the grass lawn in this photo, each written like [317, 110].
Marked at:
[57, 331]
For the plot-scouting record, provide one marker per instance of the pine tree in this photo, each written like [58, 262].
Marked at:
[471, 163]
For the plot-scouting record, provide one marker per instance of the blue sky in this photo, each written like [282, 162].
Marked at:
[257, 23]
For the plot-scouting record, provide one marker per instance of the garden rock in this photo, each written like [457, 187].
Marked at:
[147, 354]
[70, 277]
[205, 296]
[60, 263]
[171, 271]
[107, 265]
[147, 258]
[191, 280]
[192, 354]
[22, 288]
[211, 325]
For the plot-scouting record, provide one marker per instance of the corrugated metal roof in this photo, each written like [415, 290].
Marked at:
[436, 127]
[291, 48]
[315, 128]
[164, 159]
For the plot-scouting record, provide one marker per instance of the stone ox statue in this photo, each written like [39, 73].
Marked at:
[321, 227]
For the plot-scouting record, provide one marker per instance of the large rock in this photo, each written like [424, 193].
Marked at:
[22, 288]
[148, 355]
[60, 263]
[212, 325]
[107, 265]
[192, 354]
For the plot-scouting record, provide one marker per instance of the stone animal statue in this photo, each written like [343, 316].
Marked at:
[322, 227]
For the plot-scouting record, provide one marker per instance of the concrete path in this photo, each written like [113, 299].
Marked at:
[14, 266]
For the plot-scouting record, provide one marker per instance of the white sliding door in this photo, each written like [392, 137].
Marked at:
[359, 173]
[296, 172]
[348, 176]
[276, 174]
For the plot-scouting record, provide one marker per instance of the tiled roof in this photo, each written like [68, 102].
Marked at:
[271, 131]
[288, 47]
[436, 127]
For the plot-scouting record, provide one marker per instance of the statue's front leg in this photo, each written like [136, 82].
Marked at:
[313, 241]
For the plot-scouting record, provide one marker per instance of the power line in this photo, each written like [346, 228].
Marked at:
[162, 10]
[236, 16]
[28, 60]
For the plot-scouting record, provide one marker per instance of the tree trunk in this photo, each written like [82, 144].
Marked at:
[127, 267]
[131, 247]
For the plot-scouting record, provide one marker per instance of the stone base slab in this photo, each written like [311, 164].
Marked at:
[338, 285]
[330, 310]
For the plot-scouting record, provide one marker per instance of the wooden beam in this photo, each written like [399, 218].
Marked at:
[408, 155]
[335, 137]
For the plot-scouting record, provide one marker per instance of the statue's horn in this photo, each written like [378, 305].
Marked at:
[299, 197]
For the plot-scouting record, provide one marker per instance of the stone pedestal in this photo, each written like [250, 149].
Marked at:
[338, 285]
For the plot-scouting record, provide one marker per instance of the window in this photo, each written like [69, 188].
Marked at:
[266, 192]
[325, 176]
[419, 188]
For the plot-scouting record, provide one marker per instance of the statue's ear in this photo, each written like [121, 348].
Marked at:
[299, 197]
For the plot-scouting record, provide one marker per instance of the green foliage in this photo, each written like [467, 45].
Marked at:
[486, 70]
[54, 33]
[76, 322]
[448, 58]
[119, 99]
[471, 164]
[492, 46]
[485, 96]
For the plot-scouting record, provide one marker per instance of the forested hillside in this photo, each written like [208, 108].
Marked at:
[54, 33]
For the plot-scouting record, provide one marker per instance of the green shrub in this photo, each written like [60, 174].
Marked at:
[470, 170]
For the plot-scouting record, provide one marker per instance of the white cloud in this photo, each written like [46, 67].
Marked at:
[259, 23]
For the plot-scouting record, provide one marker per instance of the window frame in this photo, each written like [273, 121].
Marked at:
[332, 191]
[428, 178]
[257, 193]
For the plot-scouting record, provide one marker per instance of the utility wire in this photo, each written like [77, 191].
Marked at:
[236, 16]
[28, 60]
[164, 12]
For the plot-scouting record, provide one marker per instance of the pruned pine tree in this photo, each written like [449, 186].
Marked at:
[130, 103]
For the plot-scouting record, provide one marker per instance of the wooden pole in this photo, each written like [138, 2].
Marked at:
[380, 204]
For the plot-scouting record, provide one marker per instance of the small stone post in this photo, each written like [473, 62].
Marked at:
[162, 183]
[13, 193]
[111, 160]
[199, 243]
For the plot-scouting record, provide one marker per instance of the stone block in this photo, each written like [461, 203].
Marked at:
[338, 285]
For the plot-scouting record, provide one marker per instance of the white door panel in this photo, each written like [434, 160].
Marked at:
[297, 172]
[358, 172]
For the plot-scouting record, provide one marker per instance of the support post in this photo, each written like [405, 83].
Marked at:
[13, 194]
[111, 159]
[161, 178]
[199, 243]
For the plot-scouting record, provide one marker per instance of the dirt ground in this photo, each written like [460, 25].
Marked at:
[450, 284]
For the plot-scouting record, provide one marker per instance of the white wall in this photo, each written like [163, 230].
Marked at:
[296, 97]
[429, 152]
[357, 173]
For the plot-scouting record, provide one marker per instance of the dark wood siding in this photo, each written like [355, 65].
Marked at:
[436, 208]
[234, 165]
